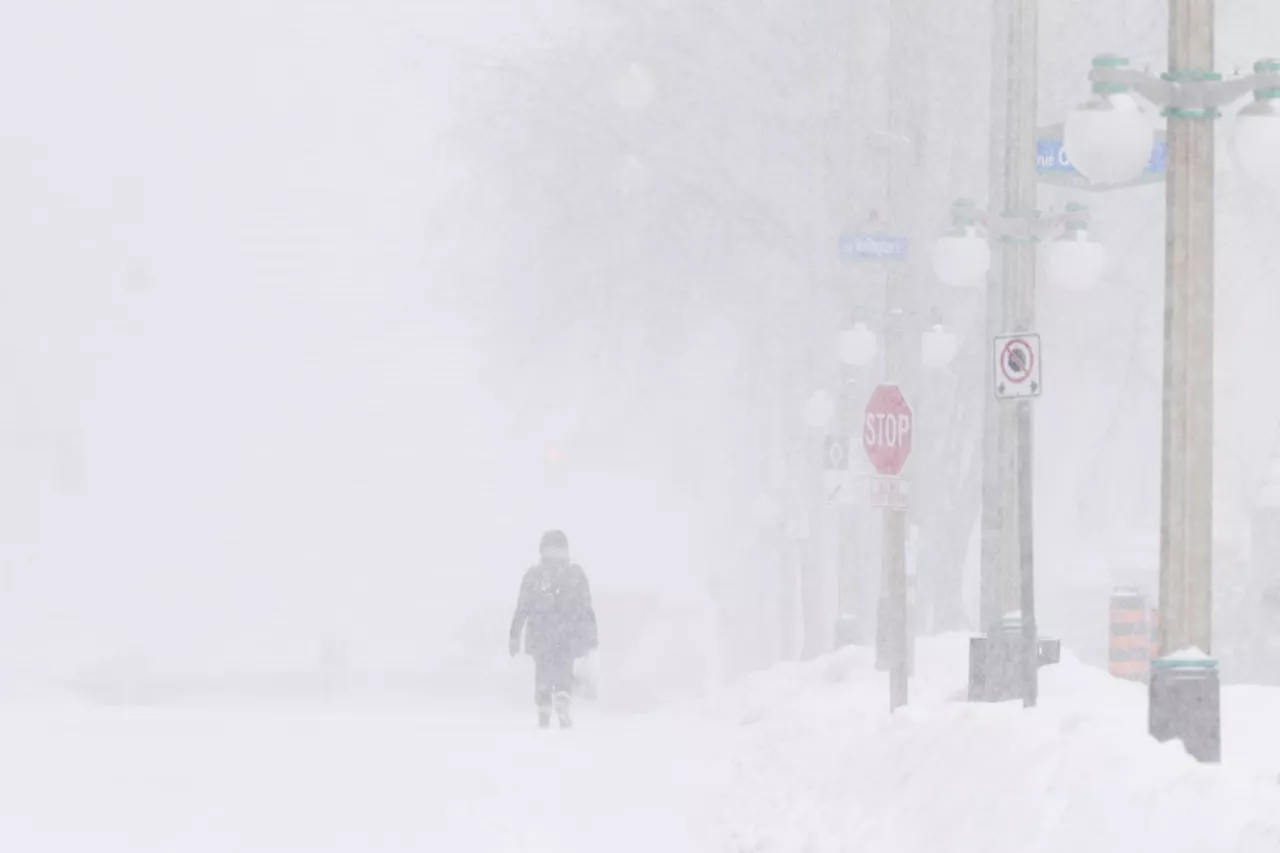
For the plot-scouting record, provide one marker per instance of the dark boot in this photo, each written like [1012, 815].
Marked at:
[544, 717]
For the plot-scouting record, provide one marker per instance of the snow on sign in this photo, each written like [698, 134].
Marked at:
[887, 428]
[1017, 366]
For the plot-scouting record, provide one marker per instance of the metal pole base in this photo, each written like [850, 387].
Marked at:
[1185, 704]
[996, 673]
[995, 667]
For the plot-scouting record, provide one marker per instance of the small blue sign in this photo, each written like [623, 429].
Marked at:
[873, 247]
[1051, 158]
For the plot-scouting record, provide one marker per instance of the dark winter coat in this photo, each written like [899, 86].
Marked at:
[555, 612]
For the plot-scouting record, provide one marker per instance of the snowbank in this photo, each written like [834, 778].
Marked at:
[824, 767]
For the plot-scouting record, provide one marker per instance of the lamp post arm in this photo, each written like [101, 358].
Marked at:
[1185, 93]
[1030, 225]
[1055, 222]
[1227, 92]
[1158, 91]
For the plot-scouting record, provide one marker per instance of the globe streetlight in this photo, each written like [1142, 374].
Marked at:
[1072, 260]
[819, 409]
[857, 345]
[1108, 138]
[938, 346]
[962, 257]
[1257, 133]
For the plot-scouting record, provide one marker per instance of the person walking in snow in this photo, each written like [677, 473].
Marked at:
[555, 614]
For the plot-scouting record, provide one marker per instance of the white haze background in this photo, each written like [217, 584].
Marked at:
[283, 355]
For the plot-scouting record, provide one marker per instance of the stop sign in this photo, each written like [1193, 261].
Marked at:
[886, 430]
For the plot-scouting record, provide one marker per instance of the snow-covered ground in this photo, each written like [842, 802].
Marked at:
[349, 781]
[802, 759]
[825, 768]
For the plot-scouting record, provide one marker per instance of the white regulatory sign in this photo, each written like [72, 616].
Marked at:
[889, 492]
[1017, 365]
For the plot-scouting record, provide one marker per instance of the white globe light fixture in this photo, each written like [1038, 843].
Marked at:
[819, 410]
[1109, 138]
[1074, 261]
[857, 345]
[938, 346]
[962, 256]
[1256, 141]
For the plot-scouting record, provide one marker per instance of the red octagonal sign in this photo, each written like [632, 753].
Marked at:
[886, 431]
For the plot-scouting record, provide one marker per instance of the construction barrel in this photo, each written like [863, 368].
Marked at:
[1128, 642]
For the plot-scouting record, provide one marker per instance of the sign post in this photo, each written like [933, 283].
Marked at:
[1016, 376]
[887, 429]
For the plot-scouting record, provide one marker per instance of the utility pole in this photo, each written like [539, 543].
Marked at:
[1184, 690]
[1186, 493]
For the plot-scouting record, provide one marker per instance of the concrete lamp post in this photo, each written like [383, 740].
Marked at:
[1004, 663]
[857, 347]
[1108, 139]
[819, 410]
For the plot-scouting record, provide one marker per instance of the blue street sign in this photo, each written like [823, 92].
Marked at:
[873, 247]
[1051, 158]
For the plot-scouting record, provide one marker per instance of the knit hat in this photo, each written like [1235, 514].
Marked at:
[554, 539]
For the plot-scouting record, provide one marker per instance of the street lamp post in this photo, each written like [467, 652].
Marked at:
[818, 413]
[962, 258]
[857, 347]
[1105, 139]
[766, 512]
